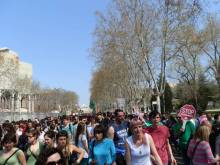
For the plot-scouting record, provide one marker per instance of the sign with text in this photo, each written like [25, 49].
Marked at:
[187, 112]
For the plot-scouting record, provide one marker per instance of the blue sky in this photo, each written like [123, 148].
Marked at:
[55, 37]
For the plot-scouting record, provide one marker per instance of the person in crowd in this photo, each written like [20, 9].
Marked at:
[199, 150]
[8, 127]
[187, 131]
[90, 127]
[23, 138]
[50, 139]
[139, 146]
[30, 125]
[102, 149]
[118, 131]
[214, 135]
[81, 141]
[68, 127]
[53, 128]
[160, 135]
[216, 120]
[11, 155]
[33, 148]
[51, 156]
[99, 118]
[175, 132]
[217, 148]
[71, 153]
[75, 121]
[40, 131]
[18, 129]
[210, 118]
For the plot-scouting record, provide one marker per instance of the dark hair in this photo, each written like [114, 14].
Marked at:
[153, 114]
[62, 133]
[37, 125]
[45, 154]
[79, 130]
[9, 137]
[8, 127]
[117, 111]
[65, 117]
[100, 129]
[216, 116]
[50, 134]
[99, 113]
[34, 132]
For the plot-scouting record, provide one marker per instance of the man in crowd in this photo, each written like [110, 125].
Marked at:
[160, 135]
[118, 131]
[187, 130]
[68, 127]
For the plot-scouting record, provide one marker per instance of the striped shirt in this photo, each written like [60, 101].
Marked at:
[203, 154]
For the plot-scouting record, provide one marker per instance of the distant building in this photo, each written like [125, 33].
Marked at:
[15, 83]
[85, 109]
[11, 69]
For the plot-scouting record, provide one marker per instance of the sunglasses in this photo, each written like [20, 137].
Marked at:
[59, 162]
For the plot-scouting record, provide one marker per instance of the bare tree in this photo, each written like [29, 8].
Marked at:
[187, 61]
[211, 47]
[142, 34]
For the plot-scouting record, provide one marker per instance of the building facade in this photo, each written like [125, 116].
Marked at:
[15, 83]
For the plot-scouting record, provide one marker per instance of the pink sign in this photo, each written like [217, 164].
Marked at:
[187, 112]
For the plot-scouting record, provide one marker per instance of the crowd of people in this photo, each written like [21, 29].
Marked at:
[111, 139]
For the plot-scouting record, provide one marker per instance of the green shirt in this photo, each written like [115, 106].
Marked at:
[12, 160]
[176, 129]
[32, 157]
[149, 124]
[186, 135]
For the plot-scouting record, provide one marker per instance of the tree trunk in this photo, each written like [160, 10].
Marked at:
[158, 103]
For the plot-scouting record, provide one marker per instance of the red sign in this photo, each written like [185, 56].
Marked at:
[187, 112]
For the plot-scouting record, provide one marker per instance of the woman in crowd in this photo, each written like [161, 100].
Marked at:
[40, 131]
[71, 153]
[102, 149]
[82, 142]
[199, 150]
[139, 146]
[34, 147]
[51, 156]
[90, 127]
[10, 154]
[50, 139]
